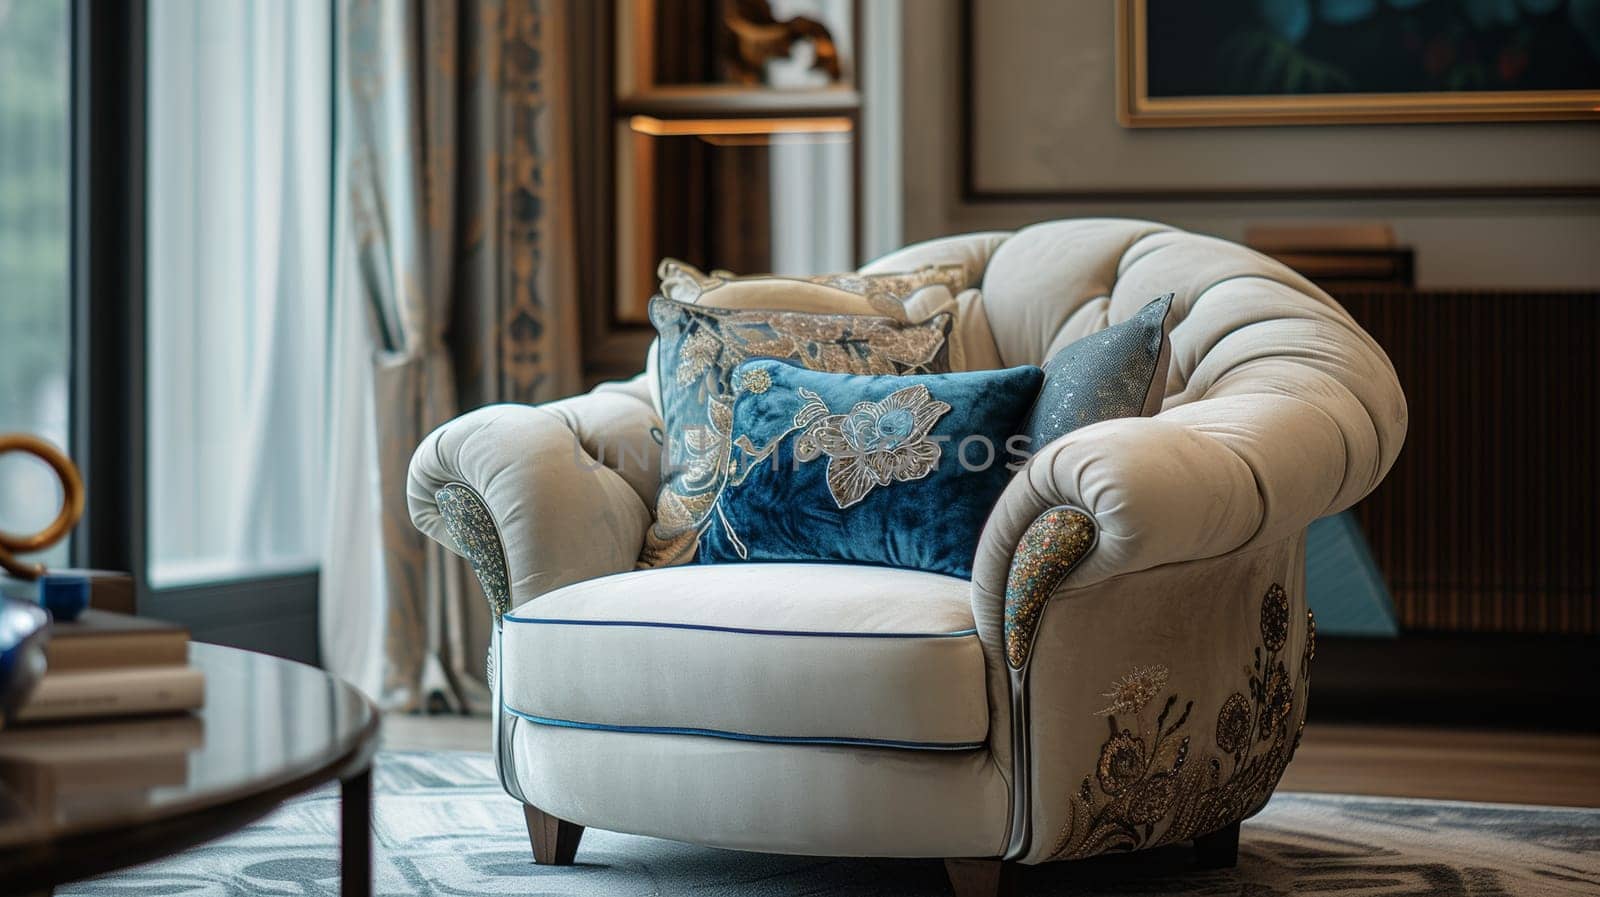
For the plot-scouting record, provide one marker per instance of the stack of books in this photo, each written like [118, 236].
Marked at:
[67, 769]
[107, 664]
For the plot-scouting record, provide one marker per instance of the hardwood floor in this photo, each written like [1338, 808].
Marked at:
[1455, 764]
[405, 732]
[1404, 761]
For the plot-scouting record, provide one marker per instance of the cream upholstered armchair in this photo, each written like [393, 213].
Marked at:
[1128, 666]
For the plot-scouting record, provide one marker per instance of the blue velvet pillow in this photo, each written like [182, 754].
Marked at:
[900, 471]
[1120, 371]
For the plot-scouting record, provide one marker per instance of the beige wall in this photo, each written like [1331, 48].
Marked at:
[1532, 242]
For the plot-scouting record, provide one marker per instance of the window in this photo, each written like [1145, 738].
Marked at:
[165, 243]
[35, 233]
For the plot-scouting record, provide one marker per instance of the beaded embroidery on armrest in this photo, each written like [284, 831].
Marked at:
[1050, 548]
[470, 524]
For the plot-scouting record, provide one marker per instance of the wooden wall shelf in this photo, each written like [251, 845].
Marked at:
[715, 101]
[688, 164]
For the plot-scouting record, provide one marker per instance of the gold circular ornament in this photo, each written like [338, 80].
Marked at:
[71, 505]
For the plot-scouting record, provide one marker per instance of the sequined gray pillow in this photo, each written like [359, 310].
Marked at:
[1119, 372]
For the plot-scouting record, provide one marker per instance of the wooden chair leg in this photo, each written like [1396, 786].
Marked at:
[1218, 850]
[980, 878]
[555, 841]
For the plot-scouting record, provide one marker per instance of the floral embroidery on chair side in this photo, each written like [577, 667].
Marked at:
[1152, 785]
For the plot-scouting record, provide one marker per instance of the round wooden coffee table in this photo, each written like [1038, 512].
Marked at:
[84, 799]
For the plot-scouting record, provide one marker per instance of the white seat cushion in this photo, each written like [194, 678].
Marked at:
[789, 653]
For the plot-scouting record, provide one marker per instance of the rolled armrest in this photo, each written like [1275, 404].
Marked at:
[1197, 481]
[538, 497]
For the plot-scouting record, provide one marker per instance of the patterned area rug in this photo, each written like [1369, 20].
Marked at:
[444, 829]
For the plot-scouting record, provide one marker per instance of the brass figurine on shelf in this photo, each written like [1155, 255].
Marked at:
[71, 506]
[758, 36]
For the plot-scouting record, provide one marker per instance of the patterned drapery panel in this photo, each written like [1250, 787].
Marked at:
[456, 280]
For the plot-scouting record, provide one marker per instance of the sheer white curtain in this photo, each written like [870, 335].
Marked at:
[239, 220]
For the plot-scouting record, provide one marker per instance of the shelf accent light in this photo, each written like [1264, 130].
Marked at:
[729, 127]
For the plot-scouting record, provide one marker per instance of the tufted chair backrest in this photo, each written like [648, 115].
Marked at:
[1262, 359]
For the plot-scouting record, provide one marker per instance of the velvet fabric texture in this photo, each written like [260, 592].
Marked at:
[900, 471]
[1120, 371]
[701, 345]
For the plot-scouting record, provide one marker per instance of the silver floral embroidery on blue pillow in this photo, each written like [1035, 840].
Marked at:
[874, 444]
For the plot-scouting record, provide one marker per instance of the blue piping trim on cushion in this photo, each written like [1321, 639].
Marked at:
[961, 633]
[742, 736]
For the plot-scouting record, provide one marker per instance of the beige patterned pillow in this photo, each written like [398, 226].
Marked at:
[886, 292]
[908, 296]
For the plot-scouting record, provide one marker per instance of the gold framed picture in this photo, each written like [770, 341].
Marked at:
[1313, 62]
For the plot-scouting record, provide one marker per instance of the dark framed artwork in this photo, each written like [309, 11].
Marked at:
[1038, 106]
[1306, 62]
